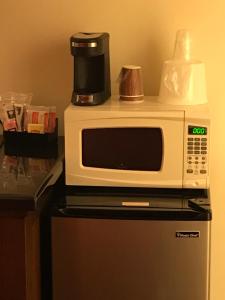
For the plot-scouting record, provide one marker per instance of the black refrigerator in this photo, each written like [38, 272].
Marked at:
[131, 245]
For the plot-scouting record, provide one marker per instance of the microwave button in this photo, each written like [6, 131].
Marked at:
[196, 162]
[203, 152]
[189, 171]
[203, 171]
[190, 162]
[190, 152]
[190, 139]
[203, 139]
[197, 139]
[197, 152]
[190, 143]
[190, 148]
[204, 148]
[197, 148]
[203, 162]
[197, 143]
[203, 143]
[196, 157]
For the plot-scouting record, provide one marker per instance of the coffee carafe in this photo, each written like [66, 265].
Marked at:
[91, 68]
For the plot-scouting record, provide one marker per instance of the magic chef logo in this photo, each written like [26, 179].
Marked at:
[187, 234]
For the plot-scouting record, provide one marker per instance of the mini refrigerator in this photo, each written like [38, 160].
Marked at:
[140, 245]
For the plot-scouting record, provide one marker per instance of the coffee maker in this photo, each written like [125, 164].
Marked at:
[91, 68]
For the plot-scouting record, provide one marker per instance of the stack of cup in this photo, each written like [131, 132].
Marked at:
[183, 78]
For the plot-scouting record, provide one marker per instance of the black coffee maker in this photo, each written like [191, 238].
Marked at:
[91, 68]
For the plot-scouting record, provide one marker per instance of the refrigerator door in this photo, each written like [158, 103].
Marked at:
[130, 259]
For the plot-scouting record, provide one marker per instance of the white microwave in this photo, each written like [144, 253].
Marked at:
[146, 144]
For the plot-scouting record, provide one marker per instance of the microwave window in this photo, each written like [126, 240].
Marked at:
[137, 149]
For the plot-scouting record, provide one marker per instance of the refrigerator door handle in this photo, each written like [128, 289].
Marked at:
[196, 207]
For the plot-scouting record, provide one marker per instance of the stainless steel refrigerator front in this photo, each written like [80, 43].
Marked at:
[103, 249]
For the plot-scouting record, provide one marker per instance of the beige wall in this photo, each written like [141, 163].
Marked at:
[35, 57]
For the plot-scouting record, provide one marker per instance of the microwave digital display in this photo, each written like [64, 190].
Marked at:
[136, 148]
[196, 130]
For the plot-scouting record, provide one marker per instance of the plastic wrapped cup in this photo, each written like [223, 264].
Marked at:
[183, 84]
[183, 78]
[183, 45]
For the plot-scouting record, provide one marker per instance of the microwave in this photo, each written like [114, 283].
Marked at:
[147, 144]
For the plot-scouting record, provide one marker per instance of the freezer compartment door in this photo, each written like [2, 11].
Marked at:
[117, 259]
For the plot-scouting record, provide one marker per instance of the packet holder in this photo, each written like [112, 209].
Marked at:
[31, 144]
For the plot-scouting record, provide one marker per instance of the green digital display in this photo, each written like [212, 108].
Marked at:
[197, 130]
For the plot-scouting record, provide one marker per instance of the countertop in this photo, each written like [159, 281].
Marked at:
[25, 180]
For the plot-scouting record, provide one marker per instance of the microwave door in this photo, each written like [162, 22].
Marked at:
[138, 152]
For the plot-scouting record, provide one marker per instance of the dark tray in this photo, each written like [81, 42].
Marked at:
[31, 144]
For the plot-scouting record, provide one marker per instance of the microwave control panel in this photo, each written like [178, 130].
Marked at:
[197, 143]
